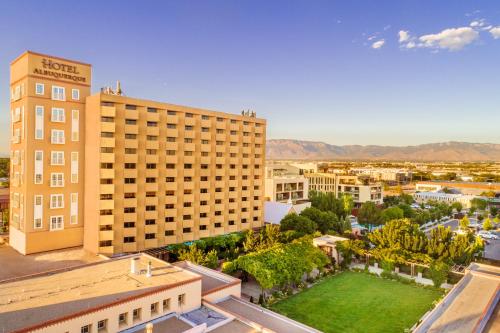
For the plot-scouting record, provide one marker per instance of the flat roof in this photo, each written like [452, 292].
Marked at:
[211, 280]
[263, 317]
[34, 300]
[466, 306]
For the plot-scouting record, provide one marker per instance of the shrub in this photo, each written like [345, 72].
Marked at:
[439, 272]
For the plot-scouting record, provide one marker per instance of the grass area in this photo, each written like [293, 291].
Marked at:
[359, 302]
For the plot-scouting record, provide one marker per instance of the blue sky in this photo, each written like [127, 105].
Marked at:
[332, 71]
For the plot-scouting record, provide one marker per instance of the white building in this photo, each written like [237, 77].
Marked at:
[283, 185]
[464, 199]
[137, 293]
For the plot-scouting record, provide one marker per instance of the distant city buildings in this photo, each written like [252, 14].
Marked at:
[449, 198]
[285, 184]
[473, 188]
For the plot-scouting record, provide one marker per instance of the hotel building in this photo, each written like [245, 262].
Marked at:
[120, 174]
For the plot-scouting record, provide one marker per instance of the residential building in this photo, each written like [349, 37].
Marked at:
[120, 174]
[391, 176]
[284, 184]
[361, 189]
[449, 198]
[136, 293]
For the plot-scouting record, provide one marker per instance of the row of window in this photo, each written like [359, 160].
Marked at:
[57, 158]
[57, 115]
[56, 202]
[137, 315]
[58, 93]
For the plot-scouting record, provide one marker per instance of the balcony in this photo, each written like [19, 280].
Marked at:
[172, 132]
[107, 189]
[130, 173]
[108, 142]
[151, 116]
[188, 211]
[130, 217]
[204, 209]
[188, 198]
[170, 199]
[150, 243]
[220, 160]
[171, 159]
[260, 129]
[187, 237]
[189, 147]
[190, 159]
[127, 232]
[106, 204]
[259, 140]
[151, 172]
[171, 186]
[130, 158]
[247, 128]
[151, 215]
[206, 135]
[190, 134]
[234, 150]
[220, 137]
[108, 111]
[220, 195]
[106, 219]
[131, 129]
[232, 228]
[204, 233]
[170, 240]
[234, 127]
[107, 127]
[129, 247]
[170, 172]
[152, 159]
[130, 202]
[106, 249]
[151, 187]
[171, 212]
[205, 123]
[234, 138]
[205, 197]
[190, 121]
[107, 158]
[152, 145]
[205, 160]
[106, 235]
[220, 124]
[131, 114]
[152, 130]
[130, 188]
[172, 119]
[107, 173]
[171, 146]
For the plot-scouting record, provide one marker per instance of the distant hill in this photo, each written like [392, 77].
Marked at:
[446, 151]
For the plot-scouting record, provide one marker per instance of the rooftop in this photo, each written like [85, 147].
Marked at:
[211, 280]
[468, 305]
[55, 295]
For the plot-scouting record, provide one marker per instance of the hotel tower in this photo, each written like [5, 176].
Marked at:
[119, 174]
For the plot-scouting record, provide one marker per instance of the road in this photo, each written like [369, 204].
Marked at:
[453, 224]
[492, 250]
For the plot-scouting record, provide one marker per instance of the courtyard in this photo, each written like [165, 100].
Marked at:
[359, 302]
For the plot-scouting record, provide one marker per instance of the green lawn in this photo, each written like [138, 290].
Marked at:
[358, 302]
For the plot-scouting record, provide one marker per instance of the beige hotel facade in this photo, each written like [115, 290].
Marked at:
[119, 174]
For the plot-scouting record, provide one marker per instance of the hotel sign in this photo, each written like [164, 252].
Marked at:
[59, 70]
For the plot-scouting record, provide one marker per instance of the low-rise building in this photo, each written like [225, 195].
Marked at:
[137, 293]
[449, 198]
[361, 190]
[475, 188]
[285, 185]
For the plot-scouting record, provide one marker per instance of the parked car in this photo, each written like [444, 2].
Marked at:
[487, 235]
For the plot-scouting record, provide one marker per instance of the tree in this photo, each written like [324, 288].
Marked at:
[348, 248]
[369, 215]
[478, 204]
[327, 202]
[392, 213]
[457, 206]
[348, 203]
[408, 212]
[487, 225]
[493, 211]
[464, 223]
[193, 254]
[211, 260]
[439, 272]
[298, 223]
[489, 194]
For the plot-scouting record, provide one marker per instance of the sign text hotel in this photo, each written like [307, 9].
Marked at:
[59, 71]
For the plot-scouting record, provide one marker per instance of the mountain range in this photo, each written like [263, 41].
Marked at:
[446, 151]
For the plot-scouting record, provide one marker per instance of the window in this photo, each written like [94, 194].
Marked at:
[131, 136]
[150, 151]
[152, 110]
[75, 125]
[152, 138]
[129, 225]
[130, 121]
[205, 117]
[57, 158]
[106, 165]
[150, 222]
[58, 93]
[122, 318]
[74, 208]
[150, 194]
[130, 165]
[102, 325]
[150, 165]
[39, 122]
[74, 167]
[39, 88]
[38, 166]
[129, 195]
[57, 179]
[129, 210]
[186, 230]
[169, 233]
[129, 239]
[57, 137]
[129, 180]
[181, 299]
[130, 151]
[171, 113]
[56, 223]
[56, 201]
[171, 126]
[86, 329]
[154, 308]
[150, 236]
[170, 152]
[75, 94]
[136, 314]
[171, 139]
[107, 150]
[203, 227]
[188, 128]
[218, 225]
[166, 302]
[38, 212]
[188, 140]
[152, 124]
[130, 107]
[106, 196]
[150, 208]
[189, 115]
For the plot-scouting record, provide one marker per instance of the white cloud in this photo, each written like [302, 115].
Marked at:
[372, 37]
[403, 36]
[387, 27]
[495, 32]
[410, 45]
[453, 39]
[378, 44]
